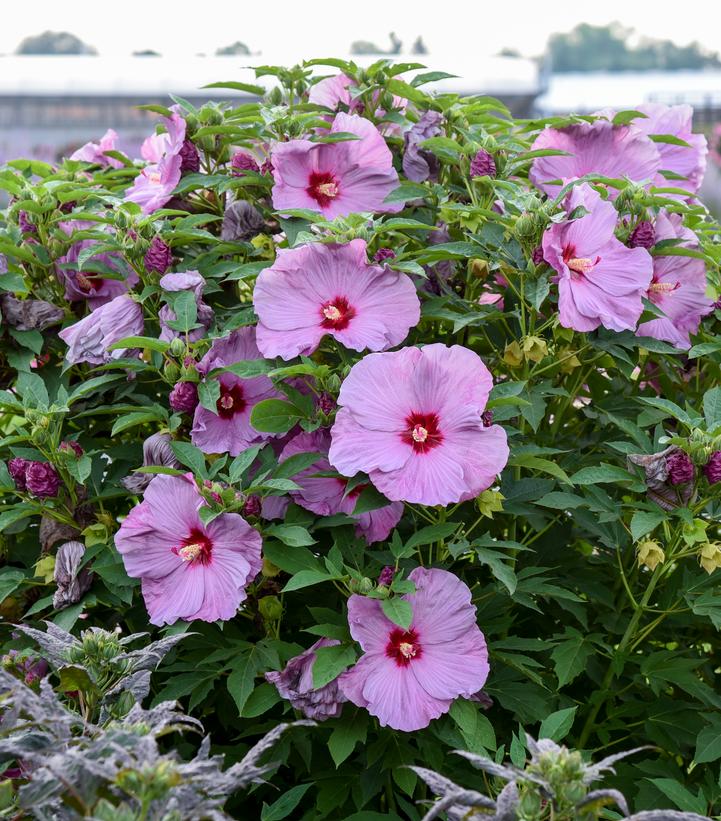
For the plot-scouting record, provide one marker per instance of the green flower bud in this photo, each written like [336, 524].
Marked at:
[177, 346]
[270, 608]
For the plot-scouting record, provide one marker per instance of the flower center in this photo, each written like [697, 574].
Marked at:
[86, 283]
[579, 265]
[196, 549]
[336, 314]
[154, 177]
[403, 646]
[663, 287]
[422, 432]
[231, 400]
[323, 187]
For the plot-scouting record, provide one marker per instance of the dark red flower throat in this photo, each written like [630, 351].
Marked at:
[323, 187]
[422, 432]
[403, 646]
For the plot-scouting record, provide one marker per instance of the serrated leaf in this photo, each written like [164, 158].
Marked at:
[644, 521]
[569, 657]
[558, 725]
[330, 662]
[399, 611]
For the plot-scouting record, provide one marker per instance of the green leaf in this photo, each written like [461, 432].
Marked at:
[9, 517]
[274, 416]
[72, 678]
[130, 420]
[476, 729]
[90, 385]
[190, 456]
[330, 662]
[369, 499]
[242, 462]
[148, 342]
[295, 464]
[241, 680]
[209, 394]
[499, 568]
[10, 579]
[260, 700]
[292, 535]
[256, 91]
[285, 805]
[671, 408]
[349, 730]
[407, 191]
[569, 657]
[712, 408]
[247, 368]
[399, 611]
[32, 390]
[681, 797]
[540, 464]
[430, 534]
[306, 578]
[708, 741]
[558, 725]
[601, 474]
[644, 521]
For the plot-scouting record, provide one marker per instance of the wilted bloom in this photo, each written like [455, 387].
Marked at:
[243, 161]
[16, 468]
[411, 420]
[158, 258]
[317, 290]
[643, 235]
[241, 222]
[92, 284]
[616, 151]
[41, 479]
[89, 339]
[385, 578]
[189, 157]
[327, 495]
[335, 179]
[29, 314]
[678, 287]
[650, 553]
[537, 255]
[229, 430]
[680, 468]
[189, 570]
[25, 225]
[95, 152]
[406, 678]
[483, 164]
[382, 254]
[72, 582]
[184, 397]
[712, 468]
[687, 161]
[295, 683]
[157, 452]
[155, 184]
[185, 281]
[656, 471]
[600, 280]
[418, 163]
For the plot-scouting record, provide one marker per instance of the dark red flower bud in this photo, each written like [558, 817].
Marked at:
[189, 157]
[158, 257]
[42, 479]
[680, 468]
[184, 397]
[643, 236]
[483, 165]
[712, 468]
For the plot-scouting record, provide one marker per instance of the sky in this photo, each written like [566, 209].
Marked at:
[287, 30]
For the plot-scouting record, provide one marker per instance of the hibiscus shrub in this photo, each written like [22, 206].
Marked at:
[382, 409]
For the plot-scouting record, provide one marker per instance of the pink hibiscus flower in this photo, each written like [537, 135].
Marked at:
[406, 678]
[95, 152]
[188, 570]
[335, 179]
[411, 420]
[335, 91]
[678, 287]
[600, 280]
[687, 161]
[317, 290]
[617, 151]
[169, 142]
[328, 495]
[229, 430]
[155, 184]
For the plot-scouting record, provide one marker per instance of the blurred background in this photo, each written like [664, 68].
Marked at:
[69, 71]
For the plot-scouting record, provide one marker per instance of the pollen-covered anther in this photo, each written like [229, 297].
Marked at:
[419, 433]
[190, 552]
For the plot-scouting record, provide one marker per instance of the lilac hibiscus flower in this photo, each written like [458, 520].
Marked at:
[617, 151]
[155, 184]
[89, 339]
[688, 161]
[327, 495]
[678, 287]
[95, 152]
[317, 290]
[406, 678]
[600, 280]
[335, 179]
[229, 429]
[189, 570]
[411, 420]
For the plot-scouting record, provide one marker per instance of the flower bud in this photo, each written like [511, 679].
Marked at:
[483, 165]
[177, 346]
[270, 571]
[270, 608]
[479, 269]
[385, 579]
[680, 468]
[650, 554]
[158, 257]
[642, 236]
[42, 479]
[184, 397]
[712, 469]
